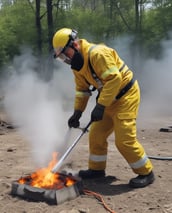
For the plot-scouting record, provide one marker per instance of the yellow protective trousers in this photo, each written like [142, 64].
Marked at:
[120, 117]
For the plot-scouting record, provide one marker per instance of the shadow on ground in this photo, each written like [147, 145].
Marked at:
[106, 186]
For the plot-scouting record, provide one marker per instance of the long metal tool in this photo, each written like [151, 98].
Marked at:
[59, 163]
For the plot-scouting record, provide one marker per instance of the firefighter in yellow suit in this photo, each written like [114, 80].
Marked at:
[116, 107]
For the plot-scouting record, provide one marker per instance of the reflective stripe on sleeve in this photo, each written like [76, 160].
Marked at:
[98, 158]
[109, 71]
[139, 163]
[82, 93]
[120, 69]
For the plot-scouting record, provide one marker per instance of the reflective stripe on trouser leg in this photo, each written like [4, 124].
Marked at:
[125, 133]
[99, 132]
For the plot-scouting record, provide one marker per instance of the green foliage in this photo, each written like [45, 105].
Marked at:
[94, 20]
[86, 23]
[156, 26]
[15, 29]
[99, 20]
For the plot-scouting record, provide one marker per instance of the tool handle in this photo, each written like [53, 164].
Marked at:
[59, 163]
[86, 128]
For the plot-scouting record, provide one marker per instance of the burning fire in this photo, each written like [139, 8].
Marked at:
[44, 178]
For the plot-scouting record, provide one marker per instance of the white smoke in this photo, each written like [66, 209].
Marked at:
[36, 107]
[156, 87]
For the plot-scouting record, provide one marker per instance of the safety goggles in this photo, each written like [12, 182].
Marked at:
[60, 55]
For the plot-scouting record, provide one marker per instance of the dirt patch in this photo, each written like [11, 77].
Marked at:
[16, 160]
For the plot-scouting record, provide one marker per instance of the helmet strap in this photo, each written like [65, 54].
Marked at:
[72, 37]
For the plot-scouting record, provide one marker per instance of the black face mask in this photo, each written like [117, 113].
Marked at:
[77, 61]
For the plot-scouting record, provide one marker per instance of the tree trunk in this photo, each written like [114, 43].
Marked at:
[138, 16]
[49, 23]
[39, 28]
[48, 63]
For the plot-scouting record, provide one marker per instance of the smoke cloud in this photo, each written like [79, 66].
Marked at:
[37, 107]
[156, 87]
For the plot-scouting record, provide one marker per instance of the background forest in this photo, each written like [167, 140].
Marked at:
[32, 23]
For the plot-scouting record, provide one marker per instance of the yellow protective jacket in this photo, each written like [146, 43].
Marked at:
[109, 68]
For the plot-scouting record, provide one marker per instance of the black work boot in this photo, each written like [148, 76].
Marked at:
[142, 180]
[88, 174]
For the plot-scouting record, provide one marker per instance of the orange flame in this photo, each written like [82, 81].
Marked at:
[44, 178]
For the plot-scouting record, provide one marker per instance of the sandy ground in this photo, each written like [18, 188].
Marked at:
[16, 160]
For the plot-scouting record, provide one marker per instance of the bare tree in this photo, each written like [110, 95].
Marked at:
[49, 22]
[138, 15]
[37, 23]
[38, 26]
